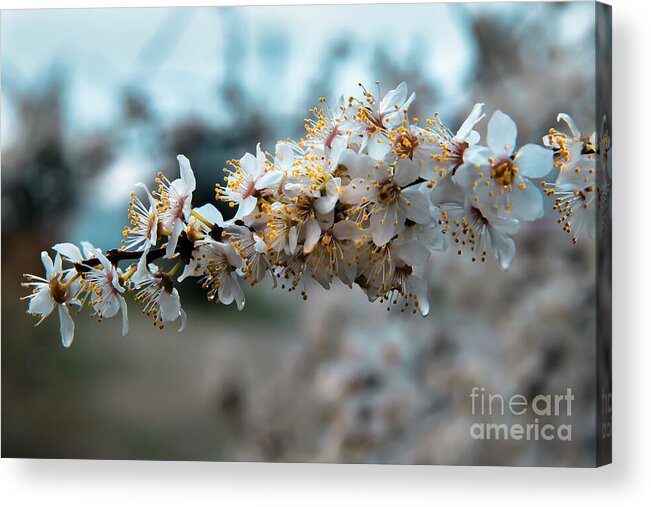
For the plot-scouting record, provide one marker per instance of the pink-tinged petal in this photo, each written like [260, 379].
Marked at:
[48, 265]
[416, 205]
[466, 129]
[66, 326]
[534, 161]
[312, 235]
[527, 202]
[125, 317]
[502, 134]
[246, 207]
[69, 251]
[41, 303]
[187, 176]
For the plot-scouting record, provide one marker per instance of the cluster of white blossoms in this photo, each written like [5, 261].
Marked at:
[366, 197]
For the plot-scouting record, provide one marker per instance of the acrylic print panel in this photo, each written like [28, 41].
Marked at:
[353, 247]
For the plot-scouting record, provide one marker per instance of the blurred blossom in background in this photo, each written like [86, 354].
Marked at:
[95, 100]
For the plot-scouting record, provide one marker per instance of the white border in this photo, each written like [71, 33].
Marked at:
[99, 483]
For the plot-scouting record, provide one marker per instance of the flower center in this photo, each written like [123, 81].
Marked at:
[331, 136]
[477, 216]
[406, 144]
[249, 190]
[177, 211]
[165, 282]
[456, 153]
[503, 172]
[375, 122]
[57, 290]
[389, 192]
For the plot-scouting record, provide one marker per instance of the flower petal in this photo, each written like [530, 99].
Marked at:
[411, 252]
[211, 214]
[284, 156]
[48, 265]
[527, 202]
[125, 317]
[393, 97]
[312, 235]
[41, 303]
[504, 249]
[187, 176]
[66, 326]
[237, 291]
[416, 205]
[169, 304]
[464, 132]
[246, 207]
[502, 134]
[69, 251]
[534, 161]
[421, 292]
[184, 319]
[268, 180]
[347, 229]
[570, 123]
[174, 238]
[383, 225]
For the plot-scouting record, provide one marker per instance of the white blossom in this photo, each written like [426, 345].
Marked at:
[497, 176]
[56, 290]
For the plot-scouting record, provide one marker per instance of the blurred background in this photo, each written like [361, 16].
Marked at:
[96, 100]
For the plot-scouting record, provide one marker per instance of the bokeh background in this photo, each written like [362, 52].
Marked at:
[96, 100]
